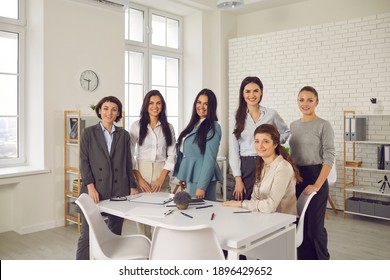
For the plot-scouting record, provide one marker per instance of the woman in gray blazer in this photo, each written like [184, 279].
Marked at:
[199, 143]
[105, 165]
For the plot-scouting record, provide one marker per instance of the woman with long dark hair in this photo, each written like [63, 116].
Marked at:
[199, 143]
[153, 144]
[249, 115]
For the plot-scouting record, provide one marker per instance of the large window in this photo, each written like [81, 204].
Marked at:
[11, 61]
[153, 60]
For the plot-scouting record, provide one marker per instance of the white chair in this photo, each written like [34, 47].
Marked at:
[185, 243]
[302, 204]
[332, 178]
[103, 243]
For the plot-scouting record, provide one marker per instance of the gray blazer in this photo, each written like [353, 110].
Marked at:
[111, 173]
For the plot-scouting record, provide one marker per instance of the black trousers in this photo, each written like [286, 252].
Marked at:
[114, 223]
[248, 174]
[315, 237]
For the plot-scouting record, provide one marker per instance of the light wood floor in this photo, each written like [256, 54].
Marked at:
[352, 238]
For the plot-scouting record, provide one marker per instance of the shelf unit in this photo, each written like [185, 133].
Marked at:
[72, 180]
[356, 196]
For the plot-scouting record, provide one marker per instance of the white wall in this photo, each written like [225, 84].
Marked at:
[64, 38]
[346, 61]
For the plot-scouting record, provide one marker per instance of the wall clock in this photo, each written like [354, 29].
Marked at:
[89, 80]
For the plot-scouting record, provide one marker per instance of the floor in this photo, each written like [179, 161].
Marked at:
[352, 238]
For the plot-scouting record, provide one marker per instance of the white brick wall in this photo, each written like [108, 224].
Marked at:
[348, 62]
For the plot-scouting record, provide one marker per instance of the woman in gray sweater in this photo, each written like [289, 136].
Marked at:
[312, 149]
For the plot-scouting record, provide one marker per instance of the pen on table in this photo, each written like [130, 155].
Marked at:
[212, 216]
[186, 215]
[237, 212]
[205, 206]
[168, 212]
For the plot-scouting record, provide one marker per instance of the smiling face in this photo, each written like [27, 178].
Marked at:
[252, 94]
[109, 112]
[307, 102]
[155, 106]
[201, 106]
[265, 146]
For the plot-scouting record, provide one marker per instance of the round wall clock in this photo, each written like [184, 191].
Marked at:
[89, 80]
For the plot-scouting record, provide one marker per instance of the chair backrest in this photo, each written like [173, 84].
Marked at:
[98, 229]
[185, 243]
[332, 177]
[302, 204]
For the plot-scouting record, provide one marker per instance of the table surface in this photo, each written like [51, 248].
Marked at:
[233, 230]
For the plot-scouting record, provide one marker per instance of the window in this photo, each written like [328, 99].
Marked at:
[11, 86]
[153, 59]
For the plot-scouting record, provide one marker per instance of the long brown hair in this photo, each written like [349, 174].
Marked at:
[279, 150]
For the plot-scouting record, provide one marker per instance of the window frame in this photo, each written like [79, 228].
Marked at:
[18, 26]
[148, 49]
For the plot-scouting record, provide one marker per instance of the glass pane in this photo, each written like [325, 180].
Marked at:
[158, 27]
[172, 33]
[127, 62]
[8, 52]
[9, 8]
[136, 98]
[172, 72]
[136, 67]
[174, 121]
[158, 70]
[172, 100]
[136, 25]
[8, 137]
[8, 95]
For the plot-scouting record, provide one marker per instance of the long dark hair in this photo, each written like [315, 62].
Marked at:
[206, 125]
[112, 99]
[242, 107]
[145, 118]
[279, 150]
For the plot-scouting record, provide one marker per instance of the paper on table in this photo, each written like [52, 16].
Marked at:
[151, 199]
[155, 212]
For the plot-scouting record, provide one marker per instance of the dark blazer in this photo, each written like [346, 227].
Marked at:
[111, 173]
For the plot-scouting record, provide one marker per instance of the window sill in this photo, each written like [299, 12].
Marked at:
[19, 171]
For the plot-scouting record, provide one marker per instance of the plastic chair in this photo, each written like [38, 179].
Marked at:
[332, 178]
[103, 243]
[302, 204]
[185, 243]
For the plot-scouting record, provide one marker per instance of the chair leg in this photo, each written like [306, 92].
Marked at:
[175, 189]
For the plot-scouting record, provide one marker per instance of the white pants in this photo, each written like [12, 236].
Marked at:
[150, 171]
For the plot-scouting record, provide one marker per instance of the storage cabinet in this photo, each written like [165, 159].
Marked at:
[362, 176]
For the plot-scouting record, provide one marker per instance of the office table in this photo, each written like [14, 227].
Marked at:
[256, 235]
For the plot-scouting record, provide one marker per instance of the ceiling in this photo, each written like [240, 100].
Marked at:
[184, 7]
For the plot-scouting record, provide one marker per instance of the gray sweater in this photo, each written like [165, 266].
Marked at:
[312, 142]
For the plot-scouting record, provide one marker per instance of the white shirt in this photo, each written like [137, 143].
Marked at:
[154, 147]
[108, 136]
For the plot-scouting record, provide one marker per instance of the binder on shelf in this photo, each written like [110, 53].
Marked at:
[347, 129]
[358, 129]
[381, 159]
[387, 157]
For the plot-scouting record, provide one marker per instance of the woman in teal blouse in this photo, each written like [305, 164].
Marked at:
[199, 143]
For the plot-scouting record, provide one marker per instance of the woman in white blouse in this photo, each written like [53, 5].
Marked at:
[153, 145]
[276, 176]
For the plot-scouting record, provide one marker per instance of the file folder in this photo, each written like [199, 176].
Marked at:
[387, 157]
[347, 129]
[381, 159]
[358, 129]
